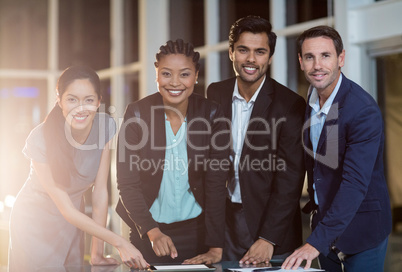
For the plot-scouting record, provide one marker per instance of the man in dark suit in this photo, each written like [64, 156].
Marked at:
[264, 188]
[344, 143]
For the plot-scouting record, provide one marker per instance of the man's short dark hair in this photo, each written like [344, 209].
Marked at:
[255, 25]
[321, 31]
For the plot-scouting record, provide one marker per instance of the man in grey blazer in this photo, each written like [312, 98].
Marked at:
[264, 188]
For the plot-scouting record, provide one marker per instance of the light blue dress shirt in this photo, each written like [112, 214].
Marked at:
[318, 117]
[175, 201]
[241, 112]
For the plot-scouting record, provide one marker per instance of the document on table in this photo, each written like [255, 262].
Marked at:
[182, 267]
[267, 269]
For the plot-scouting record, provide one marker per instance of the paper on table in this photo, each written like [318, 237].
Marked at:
[261, 269]
[183, 267]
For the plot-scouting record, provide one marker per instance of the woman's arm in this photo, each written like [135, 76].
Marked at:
[134, 137]
[128, 253]
[100, 208]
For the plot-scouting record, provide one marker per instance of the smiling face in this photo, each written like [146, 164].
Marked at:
[250, 57]
[321, 64]
[176, 76]
[79, 103]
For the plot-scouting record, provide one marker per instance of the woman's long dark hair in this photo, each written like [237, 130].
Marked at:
[58, 150]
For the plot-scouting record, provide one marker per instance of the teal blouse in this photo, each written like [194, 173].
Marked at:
[175, 201]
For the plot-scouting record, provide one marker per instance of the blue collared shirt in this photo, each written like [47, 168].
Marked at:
[175, 201]
[318, 117]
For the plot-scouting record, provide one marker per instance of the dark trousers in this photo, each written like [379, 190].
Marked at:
[237, 236]
[371, 260]
[238, 239]
[188, 237]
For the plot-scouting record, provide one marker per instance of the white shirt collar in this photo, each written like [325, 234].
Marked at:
[237, 95]
[315, 101]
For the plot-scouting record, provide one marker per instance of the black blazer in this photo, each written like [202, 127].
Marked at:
[145, 140]
[271, 193]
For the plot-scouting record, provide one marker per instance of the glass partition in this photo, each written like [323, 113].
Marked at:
[23, 34]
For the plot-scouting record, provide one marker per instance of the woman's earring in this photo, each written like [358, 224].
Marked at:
[196, 82]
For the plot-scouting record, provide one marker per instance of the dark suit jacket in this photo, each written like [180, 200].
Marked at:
[271, 193]
[139, 187]
[348, 174]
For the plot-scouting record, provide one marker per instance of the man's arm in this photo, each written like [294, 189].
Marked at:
[306, 252]
[363, 140]
[260, 252]
[286, 188]
[362, 147]
[287, 184]
[215, 191]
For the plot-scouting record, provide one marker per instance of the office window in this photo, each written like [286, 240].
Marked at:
[131, 35]
[23, 34]
[232, 10]
[389, 89]
[105, 91]
[84, 33]
[21, 102]
[296, 79]
[299, 11]
[187, 21]
[201, 87]
[226, 65]
[132, 87]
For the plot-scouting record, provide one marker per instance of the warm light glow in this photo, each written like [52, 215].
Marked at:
[9, 201]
